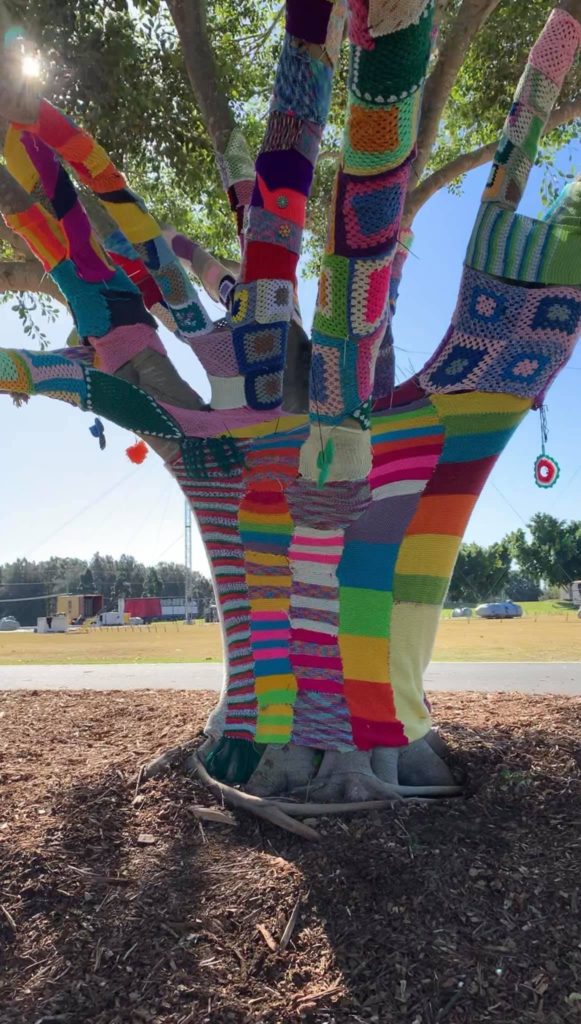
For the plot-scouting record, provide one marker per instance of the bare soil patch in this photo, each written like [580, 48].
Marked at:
[121, 912]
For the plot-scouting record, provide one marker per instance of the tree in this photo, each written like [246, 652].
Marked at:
[332, 504]
[152, 583]
[86, 582]
[480, 573]
[551, 552]
[522, 588]
[119, 67]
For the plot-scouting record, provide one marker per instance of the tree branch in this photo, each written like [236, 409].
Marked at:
[190, 20]
[27, 276]
[467, 23]
[564, 114]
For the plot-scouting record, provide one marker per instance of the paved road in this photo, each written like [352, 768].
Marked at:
[488, 677]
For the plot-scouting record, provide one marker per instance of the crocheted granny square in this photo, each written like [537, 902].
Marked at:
[368, 295]
[262, 346]
[263, 390]
[333, 297]
[370, 212]
[376, 139]
[399, 59]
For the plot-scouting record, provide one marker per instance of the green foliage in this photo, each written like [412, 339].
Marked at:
[552, 550]
[480, 573]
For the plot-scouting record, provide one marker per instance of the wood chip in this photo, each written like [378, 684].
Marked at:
[145, 839]
[212, 814]
[267, 936]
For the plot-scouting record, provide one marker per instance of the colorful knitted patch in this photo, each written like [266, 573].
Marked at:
[368, 213]
[377, 139]
[505, 338]
[99, 307]
[507, 244]
[398, 61]
[303, 85]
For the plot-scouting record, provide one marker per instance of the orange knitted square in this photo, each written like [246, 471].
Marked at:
[373, 131]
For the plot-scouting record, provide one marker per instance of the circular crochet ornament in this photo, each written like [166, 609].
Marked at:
[547, 471]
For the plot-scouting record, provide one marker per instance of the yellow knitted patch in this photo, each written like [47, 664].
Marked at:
[428, 554]
[364, 657]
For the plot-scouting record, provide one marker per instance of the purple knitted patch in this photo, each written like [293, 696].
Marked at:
[285, 169]
[308, 21]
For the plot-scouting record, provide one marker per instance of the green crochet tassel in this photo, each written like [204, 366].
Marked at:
[233, 761]
[324, 462]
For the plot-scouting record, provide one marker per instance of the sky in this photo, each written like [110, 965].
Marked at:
[61, 495]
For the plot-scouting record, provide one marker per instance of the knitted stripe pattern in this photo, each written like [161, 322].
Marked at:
[215, 503]
[265, 528]
[505, 243]
[95, 169]
[384, 100]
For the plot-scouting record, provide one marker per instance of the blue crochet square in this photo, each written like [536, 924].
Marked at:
[557, 313]
[487, 306]
[260, 346]
[368, 566]
[263, 390]
[456, 365]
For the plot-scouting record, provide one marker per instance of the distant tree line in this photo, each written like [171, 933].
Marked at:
[545, 555]
[520, 567]
[102, 574]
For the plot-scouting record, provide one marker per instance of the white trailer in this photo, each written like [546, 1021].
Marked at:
[52, 624]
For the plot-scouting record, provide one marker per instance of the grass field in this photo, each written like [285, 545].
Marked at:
[545, 637]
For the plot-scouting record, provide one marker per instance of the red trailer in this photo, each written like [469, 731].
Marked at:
[146, 608]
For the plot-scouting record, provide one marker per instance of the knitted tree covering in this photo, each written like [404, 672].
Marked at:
[332, 533]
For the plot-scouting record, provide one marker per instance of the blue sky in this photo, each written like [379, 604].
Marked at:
[62, 496]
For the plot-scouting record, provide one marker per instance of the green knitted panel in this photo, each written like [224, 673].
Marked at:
[399, 59]
[129, 406]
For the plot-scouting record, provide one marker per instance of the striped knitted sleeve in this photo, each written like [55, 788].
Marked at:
[96, 171]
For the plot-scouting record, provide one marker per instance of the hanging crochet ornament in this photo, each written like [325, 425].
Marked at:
[137, 452]
[98, 431]
[547, 469]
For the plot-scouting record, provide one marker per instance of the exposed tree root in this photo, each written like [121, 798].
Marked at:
[254, 804]
[346, 783]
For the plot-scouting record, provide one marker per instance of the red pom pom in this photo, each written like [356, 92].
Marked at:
[137, 452]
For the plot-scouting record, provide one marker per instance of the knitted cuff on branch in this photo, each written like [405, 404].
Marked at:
[122, 344]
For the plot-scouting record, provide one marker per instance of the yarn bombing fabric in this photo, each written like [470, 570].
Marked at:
[332, 534]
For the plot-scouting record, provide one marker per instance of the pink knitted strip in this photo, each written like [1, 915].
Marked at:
[555, 49]
[121, 344]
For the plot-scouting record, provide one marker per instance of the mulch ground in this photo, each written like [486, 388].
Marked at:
[115, 911]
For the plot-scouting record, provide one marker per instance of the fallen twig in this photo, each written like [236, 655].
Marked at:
[9, 918]
[291, 925]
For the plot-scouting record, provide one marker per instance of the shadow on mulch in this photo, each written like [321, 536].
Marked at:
[117, 912]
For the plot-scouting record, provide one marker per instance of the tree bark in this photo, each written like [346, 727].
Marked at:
[475, 158]
[190, 20]
[469, 20]
[27, 276]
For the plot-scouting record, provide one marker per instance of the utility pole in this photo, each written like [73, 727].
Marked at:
[188, 562]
